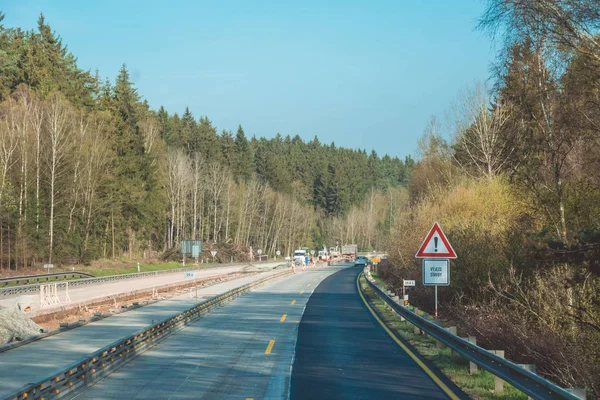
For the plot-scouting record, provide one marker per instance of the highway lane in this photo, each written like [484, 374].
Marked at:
[97, 291]
[32, 361]
[343, 353]
[240, 351]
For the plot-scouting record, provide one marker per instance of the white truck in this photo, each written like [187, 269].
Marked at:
[334, 253]
[299, 257]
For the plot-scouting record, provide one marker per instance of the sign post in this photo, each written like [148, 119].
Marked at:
[406, 283]
[191, 275]
[375, 261]
[436, 253]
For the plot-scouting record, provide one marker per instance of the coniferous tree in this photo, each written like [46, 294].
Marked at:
[244, 160]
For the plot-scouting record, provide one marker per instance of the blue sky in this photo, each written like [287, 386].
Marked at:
[364, 74]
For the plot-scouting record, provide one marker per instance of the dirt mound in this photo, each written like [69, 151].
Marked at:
[16, 325]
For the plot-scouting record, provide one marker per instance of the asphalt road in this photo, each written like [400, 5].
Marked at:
[343, 353]
[35, 360]
[243, 350]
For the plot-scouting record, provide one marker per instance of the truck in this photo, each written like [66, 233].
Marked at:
[324, 255]
[334, 253]
[299, 257]
[349, 252]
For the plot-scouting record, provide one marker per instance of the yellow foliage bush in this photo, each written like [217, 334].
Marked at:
[472, 204]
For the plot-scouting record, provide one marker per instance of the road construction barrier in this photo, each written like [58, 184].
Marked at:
[34, 288]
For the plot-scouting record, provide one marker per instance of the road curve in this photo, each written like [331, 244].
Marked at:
[343, 353]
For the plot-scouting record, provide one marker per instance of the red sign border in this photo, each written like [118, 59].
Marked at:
[436, 228]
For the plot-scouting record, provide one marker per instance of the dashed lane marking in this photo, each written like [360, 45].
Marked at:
[270, 347]
[283, 318]
[293, 302]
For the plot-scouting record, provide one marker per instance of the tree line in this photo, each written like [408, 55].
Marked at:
[516, 189]
[90, 170]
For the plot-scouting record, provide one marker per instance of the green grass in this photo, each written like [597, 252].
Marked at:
[97, 272]
[130, 270]
[479, 385]
[378, 279]
[35, 282]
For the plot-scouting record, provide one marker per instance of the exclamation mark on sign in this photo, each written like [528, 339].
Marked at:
[435, 241]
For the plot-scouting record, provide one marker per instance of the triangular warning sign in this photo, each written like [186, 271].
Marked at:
[436, 245]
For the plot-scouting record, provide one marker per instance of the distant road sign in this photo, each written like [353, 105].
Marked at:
[259, 251]
[47, 266]
[196, 250]
[436, 245]
[278, 252]
[436, 272]
[375, 260]
[189, 274]
[187, 246]
[214, 253]
[409, 283]
[312, 252]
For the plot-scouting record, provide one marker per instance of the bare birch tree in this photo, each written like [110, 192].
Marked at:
[59, 125]
[479, 132]
[217, 178]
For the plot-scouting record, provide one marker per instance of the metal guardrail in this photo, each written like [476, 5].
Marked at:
[27, 289]
[528, 382]
[100, 363]
[30, 278]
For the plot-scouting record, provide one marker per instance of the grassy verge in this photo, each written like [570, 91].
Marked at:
[106, 271]
[129, 269]
[479, 385]
[377, 278]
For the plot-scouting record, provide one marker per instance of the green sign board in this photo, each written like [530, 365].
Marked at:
[187, 246]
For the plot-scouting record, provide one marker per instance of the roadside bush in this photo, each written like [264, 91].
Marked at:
[477, 216]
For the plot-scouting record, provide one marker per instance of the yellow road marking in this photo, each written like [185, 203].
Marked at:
[308, 285]
[283, 318]
[293, 301]
[249, 398]
[302, 292]
[270, 347]
[420, 363]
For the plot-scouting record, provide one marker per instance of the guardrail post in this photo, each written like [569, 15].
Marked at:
[581, 393]
[498, 383]
[451, 329]
[416, 330]
[472, 365]
[530, 368]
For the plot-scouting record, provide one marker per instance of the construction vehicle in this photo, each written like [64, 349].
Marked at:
[349, 252]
